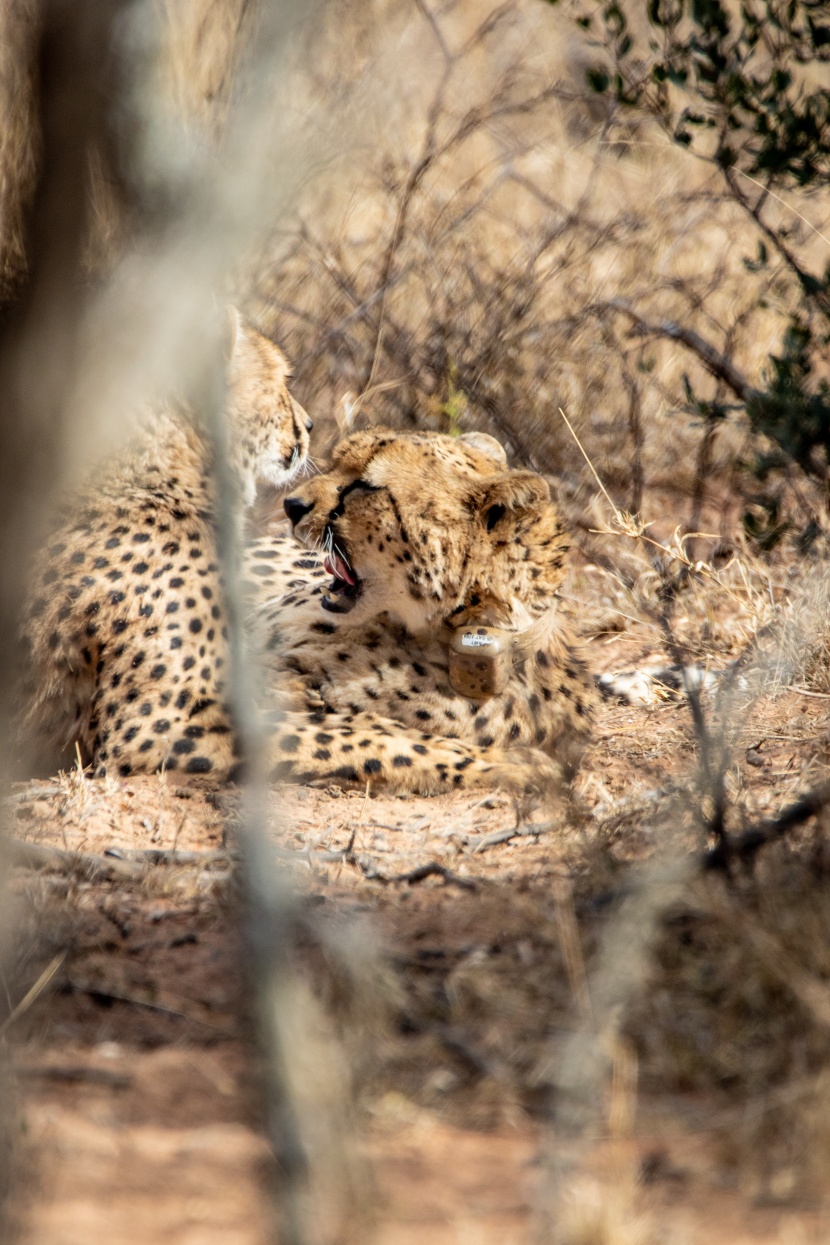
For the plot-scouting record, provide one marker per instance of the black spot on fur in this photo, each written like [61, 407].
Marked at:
[199, 765]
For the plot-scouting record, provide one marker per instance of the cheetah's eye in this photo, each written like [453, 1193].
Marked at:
[358, 486]
[492, 516]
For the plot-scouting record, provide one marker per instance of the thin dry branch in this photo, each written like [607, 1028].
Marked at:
[718, 364]
[420, 874]
[515, 832]
[810, 284]
[743, 847]
[39, 856]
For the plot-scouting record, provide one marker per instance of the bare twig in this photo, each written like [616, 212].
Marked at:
[584, 1064]
[504, 836]
[74, 1074]
[40, 856]
[153, 856]
[35, 791]
[171, 1007]
[712, 359]
[744, 846]
[808, 282]
[414, 876]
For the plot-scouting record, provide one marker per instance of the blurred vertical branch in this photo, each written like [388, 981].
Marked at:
[270, 907]
[585, 1063]
[38, 347]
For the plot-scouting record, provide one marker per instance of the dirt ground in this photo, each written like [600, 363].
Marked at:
[135, 1096]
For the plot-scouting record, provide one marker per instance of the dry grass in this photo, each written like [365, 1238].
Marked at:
[461, 270]
[738, 1006]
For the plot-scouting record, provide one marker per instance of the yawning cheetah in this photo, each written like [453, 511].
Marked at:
[427, 541]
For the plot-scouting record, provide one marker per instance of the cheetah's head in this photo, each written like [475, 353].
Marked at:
[431, 528]
[268, 427]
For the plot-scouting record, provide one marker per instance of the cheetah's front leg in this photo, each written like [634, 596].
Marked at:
[354, 749]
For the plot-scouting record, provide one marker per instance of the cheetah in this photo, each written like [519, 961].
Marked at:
[424, 538]
[124, 630]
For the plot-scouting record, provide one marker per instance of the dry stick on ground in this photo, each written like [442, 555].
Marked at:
[184, 1009]
[74, 1074]
[419, 874]
[39, 856]
[116, 864]
[514, 832]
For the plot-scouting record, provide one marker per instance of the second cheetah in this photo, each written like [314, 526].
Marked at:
[124, 630]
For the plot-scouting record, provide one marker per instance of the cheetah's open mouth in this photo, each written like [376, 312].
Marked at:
[345, 586]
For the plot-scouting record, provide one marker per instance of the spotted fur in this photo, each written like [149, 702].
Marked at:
[124, 630]
[434, 531]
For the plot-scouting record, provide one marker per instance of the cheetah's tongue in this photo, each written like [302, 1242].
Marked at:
[340, 569]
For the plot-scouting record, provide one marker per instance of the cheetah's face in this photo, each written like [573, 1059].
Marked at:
[424, 526]
[269, 429]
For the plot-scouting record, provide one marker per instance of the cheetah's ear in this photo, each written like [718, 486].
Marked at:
[514, 492]
[487, 445]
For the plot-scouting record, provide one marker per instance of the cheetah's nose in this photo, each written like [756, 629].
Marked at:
[295, 508]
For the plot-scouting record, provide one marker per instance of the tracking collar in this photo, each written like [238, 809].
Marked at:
[481, 659]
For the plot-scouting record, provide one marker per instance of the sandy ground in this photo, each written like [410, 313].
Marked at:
[135, 1098]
